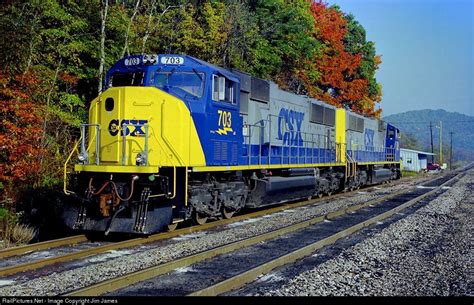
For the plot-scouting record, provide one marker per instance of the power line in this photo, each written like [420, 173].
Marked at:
[427, 122]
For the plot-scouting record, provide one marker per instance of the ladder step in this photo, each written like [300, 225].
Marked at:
[177, 220]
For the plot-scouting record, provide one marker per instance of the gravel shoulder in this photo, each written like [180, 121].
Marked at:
[427, 253]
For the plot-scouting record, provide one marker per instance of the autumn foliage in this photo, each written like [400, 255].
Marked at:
[20, 130]
[339, 82]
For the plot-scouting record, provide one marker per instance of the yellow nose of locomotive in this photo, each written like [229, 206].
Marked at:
[138, 129]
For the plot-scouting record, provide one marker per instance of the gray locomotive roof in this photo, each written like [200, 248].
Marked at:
[277, 93]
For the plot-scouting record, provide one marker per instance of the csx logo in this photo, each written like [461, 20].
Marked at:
[135, 129]
[289, 127]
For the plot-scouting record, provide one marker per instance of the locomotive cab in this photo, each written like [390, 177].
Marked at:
[392, 143]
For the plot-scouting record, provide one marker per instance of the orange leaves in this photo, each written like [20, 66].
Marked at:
[69, 79]
[20, 129]
[340, 82]
[378, 60]
[330, 26]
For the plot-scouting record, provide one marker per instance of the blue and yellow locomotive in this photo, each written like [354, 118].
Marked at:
[174, 138]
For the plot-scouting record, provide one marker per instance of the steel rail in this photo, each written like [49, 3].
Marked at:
[148, 273]
[8, 252]
[251, 275]
[28, 266]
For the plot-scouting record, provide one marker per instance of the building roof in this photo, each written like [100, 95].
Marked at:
[417, 151]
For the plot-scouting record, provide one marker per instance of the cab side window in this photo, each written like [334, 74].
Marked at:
[391, 134]
[223, 90]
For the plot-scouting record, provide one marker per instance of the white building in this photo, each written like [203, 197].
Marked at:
[414, 160]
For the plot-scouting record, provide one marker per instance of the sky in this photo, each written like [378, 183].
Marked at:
[427, 49]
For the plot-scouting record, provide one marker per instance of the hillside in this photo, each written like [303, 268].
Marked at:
[415, 125]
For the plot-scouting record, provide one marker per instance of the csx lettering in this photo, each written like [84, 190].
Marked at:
[225, 119]
[133, 128]
[291, 132]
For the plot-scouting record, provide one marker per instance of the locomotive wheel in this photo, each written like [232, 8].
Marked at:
[199, 219]
[329, 193]
[171, 227]
[227, 214]
[320, 195]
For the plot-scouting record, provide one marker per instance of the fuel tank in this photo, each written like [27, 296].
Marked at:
[274, 190]
[381, 174]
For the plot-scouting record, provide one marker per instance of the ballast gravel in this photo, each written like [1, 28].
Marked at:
[428, 253]
[70, 280]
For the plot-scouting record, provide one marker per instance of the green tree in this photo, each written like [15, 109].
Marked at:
[287, 29]
[356, 43]
[408, 140]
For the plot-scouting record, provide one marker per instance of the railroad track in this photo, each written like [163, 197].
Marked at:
[251, 275]
[66, 241]
[15, 254]
[392, 204]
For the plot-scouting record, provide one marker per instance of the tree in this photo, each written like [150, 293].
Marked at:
[288, 41]
[20, 132]
[356, 43]
[346, 66]
[408, 140]
[103, 18]
[127, 33]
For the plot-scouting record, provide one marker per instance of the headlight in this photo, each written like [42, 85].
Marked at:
[140, 159]
[145, 58]
[82, 157]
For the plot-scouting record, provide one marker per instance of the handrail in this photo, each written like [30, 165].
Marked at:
[83, 142]
[329, 146]
[65, 168]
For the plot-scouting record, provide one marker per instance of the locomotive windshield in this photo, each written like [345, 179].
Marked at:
[127, 79]
[191, 83]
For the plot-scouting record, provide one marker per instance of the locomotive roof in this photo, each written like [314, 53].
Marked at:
[123, 65]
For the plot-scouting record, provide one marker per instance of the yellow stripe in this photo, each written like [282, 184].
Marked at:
[117, 169]
[377, 163]
[341, 133]
[263, 166]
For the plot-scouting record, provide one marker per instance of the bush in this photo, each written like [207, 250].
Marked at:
[22, 234]
[11, 232]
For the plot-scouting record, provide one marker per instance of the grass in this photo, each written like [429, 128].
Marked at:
[22, 234]
[16, 235]
[411, 174]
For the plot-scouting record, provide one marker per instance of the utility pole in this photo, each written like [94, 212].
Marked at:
[440, 143]
[431, 133]
[451, 151]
